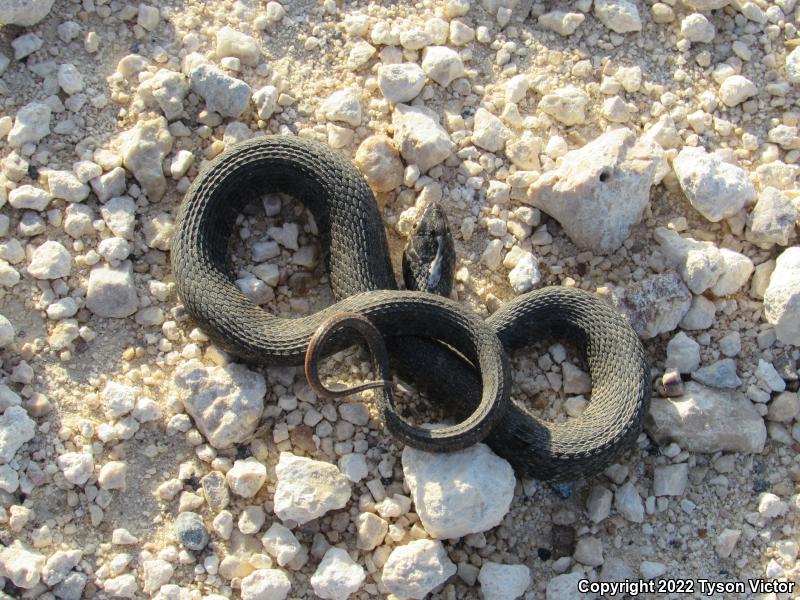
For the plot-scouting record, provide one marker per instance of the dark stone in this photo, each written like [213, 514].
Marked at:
[191, 531]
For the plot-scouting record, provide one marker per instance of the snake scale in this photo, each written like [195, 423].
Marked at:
[433, 342]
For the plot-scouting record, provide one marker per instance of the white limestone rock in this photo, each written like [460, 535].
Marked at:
[223, 94]
[266, 584]
[113, 476]
[343, 106]
[59, 565]
[565, 587]
[401, 82]
[266, 101]
[599, 192]
[793, 65]
[566, 104]
[562, 22]
[109, 185]
[620, 16]
[629, 504]
[736, 270]
[143, 151]
[371, 530]
[166, 90]
[21, 565]
[772, 220]
[700, 263]
[458, 493]
[238, 45]
[337, 576]
[119, 399]
[122, 586]
[697, 28]
[503, 582]
[670, 480]
[683, 353]
[246, 477]
[119, 213]
[32, 123]
[67, 186]
[28, 197]
[442, 64]
[782, 297]
[416, 568]
[736, 89]
[598, 503]
[70, 79]
[76, 466]
[707, 420]
[7, 334]
[525, 275]
[50, 261]
[489, 132]
[280, 542]
[111, 291]
[308, 489]
[225, 402]
[26, 44]
[24, 12]
[379, 161]
[654, 305]
[419, 136]
[716, 189]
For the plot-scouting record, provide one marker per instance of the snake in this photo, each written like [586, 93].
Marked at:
[444, 350]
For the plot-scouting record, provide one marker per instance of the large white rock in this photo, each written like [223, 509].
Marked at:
[704, 266]
[566, 104]
[343, 106]
[337, 576]
[716, 189]
[782, 297]
[599, 192]
[308, 489]
[66, 185]
[628, 503]
[736, 89]
[266, 584]
[458, 493]
[225, 402]
[503, 582]
[419, 136]
[76, 466]
[707, 420]
[379, 161]
[413, 570]
[111, 291]
[16, 428]
[28, 197]
[143, 150]
[21, 565]
[562, 22]
[489, 132]
[246, 477]
[793, 65]
[772, 220]
[401, 82]
[280, 542]
[239, 45]
[167, 90]
[50, 261]
[683, 353]
[654, 305]
[24, 12]
[223, 94]
[31, 124]
[442, 64]
[621, 16]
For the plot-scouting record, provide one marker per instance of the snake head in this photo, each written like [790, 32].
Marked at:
[429, 256]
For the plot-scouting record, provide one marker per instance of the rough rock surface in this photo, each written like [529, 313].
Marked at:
[654, 305]
[717, 189]
[782, 297]
[225, 402]
[419, 136]
[707, 420]
[413, 570]
[503, 582]
[337, 575]
[601, 190]
[111, 291]
[143, 150]
[459, 493]
[24, 12]
[308, 489]
[16, 428]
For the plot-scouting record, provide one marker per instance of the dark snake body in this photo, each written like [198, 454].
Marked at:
[357, 257]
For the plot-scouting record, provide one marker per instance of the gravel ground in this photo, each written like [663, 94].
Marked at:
[643, 151]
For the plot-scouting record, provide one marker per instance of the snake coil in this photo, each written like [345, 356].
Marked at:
[358, 262]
